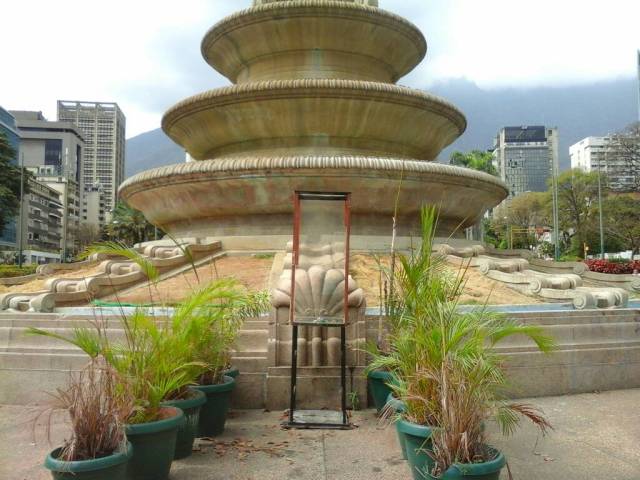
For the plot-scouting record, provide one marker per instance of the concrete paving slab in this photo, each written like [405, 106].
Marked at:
[596, 437]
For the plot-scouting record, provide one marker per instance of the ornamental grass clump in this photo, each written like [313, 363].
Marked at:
[98, 404]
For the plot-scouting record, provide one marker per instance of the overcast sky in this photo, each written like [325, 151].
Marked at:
[145, 55]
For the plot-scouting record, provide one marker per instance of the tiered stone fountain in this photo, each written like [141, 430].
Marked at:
[314, 106]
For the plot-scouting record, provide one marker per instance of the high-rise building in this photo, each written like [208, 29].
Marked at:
[103, 128]
[8, 238]
[600, 154]
[526, 157]
[53, 152]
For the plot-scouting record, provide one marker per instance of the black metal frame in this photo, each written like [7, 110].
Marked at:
[292, 423]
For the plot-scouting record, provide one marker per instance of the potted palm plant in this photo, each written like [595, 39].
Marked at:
[98, 407]
[431, 333]
[212, 322]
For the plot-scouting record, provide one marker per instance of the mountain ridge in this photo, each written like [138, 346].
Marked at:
[578, 111]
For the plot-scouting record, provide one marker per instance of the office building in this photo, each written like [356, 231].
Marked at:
[103, 128]
[8, 128]
[600, 154]
[525, 157]
[53, 152]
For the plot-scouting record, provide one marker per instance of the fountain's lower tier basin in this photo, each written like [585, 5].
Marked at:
[253, 197]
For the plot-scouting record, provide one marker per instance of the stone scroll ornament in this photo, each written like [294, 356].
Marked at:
[319, 294]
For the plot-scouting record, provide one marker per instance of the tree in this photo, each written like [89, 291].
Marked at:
[578, 206]
[9, 183]
[625, 148]
[530, 209]
[476, 160]
[622, 221]
[129, 225]
[87, 234]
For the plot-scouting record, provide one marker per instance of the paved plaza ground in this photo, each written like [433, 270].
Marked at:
[596, 437]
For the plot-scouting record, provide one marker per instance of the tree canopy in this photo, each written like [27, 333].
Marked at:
[475, 159]
[9, 183]
[129, 225]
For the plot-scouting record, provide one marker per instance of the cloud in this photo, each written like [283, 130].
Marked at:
[145, 54]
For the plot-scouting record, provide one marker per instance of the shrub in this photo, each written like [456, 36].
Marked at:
[615, 267]
[10, 271]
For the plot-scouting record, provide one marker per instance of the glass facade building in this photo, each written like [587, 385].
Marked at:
[525, 157]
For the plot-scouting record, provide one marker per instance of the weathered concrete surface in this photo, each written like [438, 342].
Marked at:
[595, 438]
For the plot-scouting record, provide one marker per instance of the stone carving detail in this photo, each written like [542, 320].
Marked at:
[319, 293]
[112, 275]
[518, 274]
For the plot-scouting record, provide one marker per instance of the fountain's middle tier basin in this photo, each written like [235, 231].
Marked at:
[254, 196]
[314, 117]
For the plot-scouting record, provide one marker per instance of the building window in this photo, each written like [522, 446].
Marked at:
[53, 152]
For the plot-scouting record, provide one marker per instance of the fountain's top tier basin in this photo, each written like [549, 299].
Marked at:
[314, 39]
[314, 117]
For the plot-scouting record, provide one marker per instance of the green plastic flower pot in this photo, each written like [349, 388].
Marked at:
[476, 471]
[187, 432]
[213, 414]
[154, 444]
[417, 439]
[379, 388]
[113, 467]
[398, 406]
[232, 372]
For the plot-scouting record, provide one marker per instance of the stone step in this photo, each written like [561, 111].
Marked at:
[250, 364]
[577, 334]
[252, 340]
[570, 347]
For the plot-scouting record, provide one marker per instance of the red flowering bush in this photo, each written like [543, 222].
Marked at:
[616, 268]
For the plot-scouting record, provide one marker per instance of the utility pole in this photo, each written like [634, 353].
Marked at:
[20, 220]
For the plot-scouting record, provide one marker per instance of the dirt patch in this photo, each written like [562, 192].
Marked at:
[478, 288]
[251, 272]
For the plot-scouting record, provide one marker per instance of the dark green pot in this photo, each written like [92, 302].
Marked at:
[154, 445]
[398, 406]
[187, 432]
[378, 385]
[417, 439]
[232, 372]
[213, 414]
[113, 467]
[476, 471]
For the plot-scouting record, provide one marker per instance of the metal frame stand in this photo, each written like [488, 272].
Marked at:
[297, 423]
[311, 419]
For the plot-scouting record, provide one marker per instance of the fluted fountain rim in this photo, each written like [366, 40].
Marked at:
[171, 173]
[303, 87]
